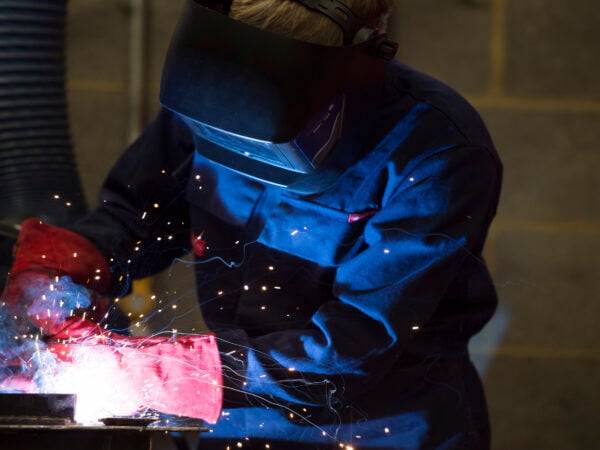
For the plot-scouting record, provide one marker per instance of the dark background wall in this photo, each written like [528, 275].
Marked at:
[532, 68]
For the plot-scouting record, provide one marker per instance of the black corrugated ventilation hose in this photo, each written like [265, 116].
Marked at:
[38, 172]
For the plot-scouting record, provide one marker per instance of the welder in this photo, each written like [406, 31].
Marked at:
[337, 202]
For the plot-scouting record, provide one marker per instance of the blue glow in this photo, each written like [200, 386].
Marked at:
[405, 431]
[59, 298]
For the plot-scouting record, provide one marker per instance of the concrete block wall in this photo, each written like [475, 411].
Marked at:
[531, 67]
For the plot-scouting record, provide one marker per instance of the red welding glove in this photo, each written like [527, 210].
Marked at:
[56, 273]
[121, 375]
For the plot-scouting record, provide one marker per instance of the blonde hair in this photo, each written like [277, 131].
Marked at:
[291, 18]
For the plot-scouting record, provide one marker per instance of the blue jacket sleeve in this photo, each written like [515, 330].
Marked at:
[428, 233]
[141, 221]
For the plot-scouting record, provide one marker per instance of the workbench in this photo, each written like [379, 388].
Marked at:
[84, 437]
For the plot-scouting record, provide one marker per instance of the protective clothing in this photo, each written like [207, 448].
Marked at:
[292, 123]
[46, 291]
[180, 376]
[342, 317]
[55, 273]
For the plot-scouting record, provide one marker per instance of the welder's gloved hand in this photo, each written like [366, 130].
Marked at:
[174, 375]
[56, 273]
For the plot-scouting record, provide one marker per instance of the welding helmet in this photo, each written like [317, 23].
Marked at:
[277, 109]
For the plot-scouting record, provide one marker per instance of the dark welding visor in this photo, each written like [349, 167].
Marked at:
[272, 107]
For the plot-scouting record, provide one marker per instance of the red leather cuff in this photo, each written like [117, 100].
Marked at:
[184, 371]
[58, 251]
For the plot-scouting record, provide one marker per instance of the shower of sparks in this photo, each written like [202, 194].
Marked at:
[116, 395]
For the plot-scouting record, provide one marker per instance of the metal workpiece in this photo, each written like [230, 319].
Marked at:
[75, 436]
[46, 422]
[47, 409]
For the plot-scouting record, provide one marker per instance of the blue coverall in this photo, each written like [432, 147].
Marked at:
[343, 317]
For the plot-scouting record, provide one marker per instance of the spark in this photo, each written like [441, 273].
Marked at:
[94, 399]
[416, 327]
[156, 206]
[37, 348]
